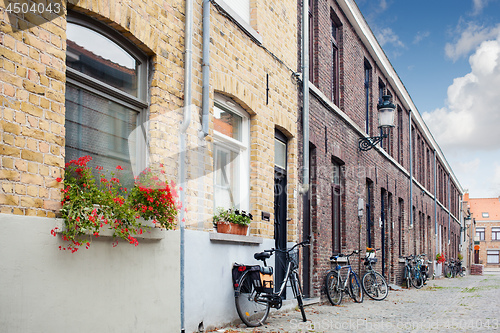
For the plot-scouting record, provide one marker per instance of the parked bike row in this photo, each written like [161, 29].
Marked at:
[453, 268]
[254, 284]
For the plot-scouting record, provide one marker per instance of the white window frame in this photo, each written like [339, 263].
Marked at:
[494, 231]
[493, 255]
[485, 215]
[481, 231]
[242, 148]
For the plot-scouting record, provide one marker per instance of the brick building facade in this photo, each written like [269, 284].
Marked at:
[124, 63]
[349, 74]
[485, 214]
[79, 82]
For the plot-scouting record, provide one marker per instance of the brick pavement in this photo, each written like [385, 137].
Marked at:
[471, 303]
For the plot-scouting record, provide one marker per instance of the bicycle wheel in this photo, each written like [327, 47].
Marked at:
[375, 286]
[355, 288]
[416, 278]
[298, 294]
[332, 286]
[447, 271]
[251, 308]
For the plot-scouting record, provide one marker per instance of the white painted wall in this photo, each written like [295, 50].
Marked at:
[102, 289]
[209, 287]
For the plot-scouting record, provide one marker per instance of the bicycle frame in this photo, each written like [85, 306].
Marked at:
[350, 272]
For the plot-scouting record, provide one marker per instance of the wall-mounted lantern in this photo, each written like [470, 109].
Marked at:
[385, 120]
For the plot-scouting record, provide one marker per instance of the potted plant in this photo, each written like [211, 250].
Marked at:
[232, 221]
[88, 205]
[440, 258]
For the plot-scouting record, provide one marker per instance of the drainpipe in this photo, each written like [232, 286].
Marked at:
[182, 155]
[411, 173]
[435, 201]
[435, 213]
[305, 92]
[449, 209]
[205, 68]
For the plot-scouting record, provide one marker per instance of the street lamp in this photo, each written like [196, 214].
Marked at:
[385, 120]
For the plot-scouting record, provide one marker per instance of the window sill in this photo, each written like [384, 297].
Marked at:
[151, 234]
[235, 239]
[251, 32]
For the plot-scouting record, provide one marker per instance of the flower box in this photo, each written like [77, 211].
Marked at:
[232, 228]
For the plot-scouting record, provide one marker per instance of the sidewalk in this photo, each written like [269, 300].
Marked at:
[465, 304]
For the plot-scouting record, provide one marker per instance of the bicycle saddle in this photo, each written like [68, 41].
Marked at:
[262, 256]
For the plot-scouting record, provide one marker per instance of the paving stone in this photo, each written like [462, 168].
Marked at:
[466, 304]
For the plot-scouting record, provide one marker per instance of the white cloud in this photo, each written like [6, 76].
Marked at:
[468, 167]
[471, 118]
[420, 36]
[387, 36]
[470, 38]
[495, 183]
[478, 6]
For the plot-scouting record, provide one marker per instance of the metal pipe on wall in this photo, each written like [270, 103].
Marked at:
[305, 94]
[205, 105]
[188, 67]
[411, 173]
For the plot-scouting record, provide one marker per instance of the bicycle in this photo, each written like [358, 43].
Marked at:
[335, 286]
[424, 267]
[374, 283]
[411, 275]
[449, 268]
[253, 286]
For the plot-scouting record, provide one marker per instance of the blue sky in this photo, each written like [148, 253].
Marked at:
[447, 54]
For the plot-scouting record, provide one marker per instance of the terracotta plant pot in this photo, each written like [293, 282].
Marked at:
[231, 228]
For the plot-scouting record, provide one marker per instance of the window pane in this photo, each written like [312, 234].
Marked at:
[493, 257]
[97, 56]
[227, 123]
[100, 128]
[280, 153]
[226, 178]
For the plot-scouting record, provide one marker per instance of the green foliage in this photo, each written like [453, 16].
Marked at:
[232, 216]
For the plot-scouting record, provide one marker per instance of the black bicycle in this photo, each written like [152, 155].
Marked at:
[374, 283]
[334, 284]
[254, 288]
[412, 274]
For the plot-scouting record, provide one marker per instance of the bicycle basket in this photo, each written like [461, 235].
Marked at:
[293, 256]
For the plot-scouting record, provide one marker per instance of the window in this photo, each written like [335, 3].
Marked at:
[336, 208]
[369, 214]
[400, 225]
[401, 145]
[231, 155]
[106, 91]
[486, 214]
[311, 41]
[335, 36]
[492, 256]
[240, 8]
[495, 233]
[381, 92]
[368, 74]
[480, 233]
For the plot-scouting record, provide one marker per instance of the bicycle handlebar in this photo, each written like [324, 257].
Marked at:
[306, 242]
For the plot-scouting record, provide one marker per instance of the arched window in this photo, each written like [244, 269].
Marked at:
[106, 97]
[231, 154]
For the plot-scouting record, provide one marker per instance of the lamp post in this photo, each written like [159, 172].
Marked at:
[385, 120]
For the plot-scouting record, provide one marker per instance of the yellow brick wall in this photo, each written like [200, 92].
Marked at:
[32, 90]
[238, 68]
[32, 95]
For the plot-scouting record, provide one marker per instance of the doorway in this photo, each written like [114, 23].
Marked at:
[280, 205]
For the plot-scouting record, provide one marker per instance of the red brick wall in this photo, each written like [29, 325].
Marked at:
[335, 139]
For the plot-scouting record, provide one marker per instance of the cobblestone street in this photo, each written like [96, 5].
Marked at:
[467, 304]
